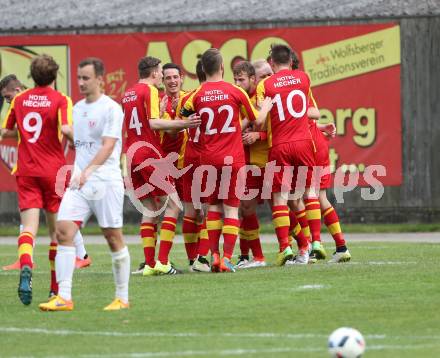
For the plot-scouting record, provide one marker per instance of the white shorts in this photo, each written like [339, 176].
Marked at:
[103, 199]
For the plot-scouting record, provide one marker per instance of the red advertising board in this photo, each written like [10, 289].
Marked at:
[355, 74]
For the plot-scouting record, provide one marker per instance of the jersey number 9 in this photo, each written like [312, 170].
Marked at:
[33, 123]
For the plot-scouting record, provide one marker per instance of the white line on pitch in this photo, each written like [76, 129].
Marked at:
[64, 332]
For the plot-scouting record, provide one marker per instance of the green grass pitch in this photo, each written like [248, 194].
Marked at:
[390, 292]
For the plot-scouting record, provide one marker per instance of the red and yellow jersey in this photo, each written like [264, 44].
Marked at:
[219, 105]
[287, 121]
[188, 149]
[141, 104]
[39, 114]
[257, 153]
[171, 142]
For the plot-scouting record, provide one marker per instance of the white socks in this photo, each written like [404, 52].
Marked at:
[78, 241]
[121, 273]
[64, 266]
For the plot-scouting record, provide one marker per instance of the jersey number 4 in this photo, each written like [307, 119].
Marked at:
[134, 121]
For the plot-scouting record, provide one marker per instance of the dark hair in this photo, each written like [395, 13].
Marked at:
[280, 54]
[98, 65]
[201, 75]
[295, 60]
[171, 65]
[147, 65]
[44, 70]
[8, 79]
[244, 66]
[211, 61]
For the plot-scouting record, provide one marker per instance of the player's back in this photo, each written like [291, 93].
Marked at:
[39, 114]
[140, 104]
[219, 104]
[289, 90]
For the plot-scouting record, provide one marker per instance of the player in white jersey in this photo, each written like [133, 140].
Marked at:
[96, 187]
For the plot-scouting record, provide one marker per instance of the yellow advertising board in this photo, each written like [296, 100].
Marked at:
[352, 57]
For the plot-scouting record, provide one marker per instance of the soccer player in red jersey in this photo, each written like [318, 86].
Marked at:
[314, 207]
[10, 86]
[194, 229]
[256, 152]
[172, 80]
[220, 104]
[176, 142]
[41, 115]
[141, 118]
[290, 142]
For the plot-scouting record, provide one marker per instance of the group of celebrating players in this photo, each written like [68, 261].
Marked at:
[255, 136]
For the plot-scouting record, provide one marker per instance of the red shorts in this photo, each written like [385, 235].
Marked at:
[255, 182]
[298, 154]
[228, 192]
[141, 177]
[39, 193]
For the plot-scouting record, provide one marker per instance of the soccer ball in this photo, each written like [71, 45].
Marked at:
[346, 343]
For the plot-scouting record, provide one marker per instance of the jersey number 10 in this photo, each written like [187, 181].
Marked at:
[289, 105]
